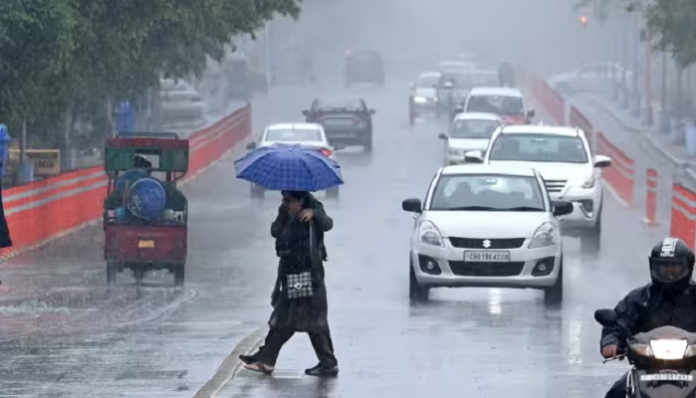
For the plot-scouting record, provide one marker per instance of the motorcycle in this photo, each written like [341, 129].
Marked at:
[663, 360]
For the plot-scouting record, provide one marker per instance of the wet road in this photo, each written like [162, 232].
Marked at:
[65, 335]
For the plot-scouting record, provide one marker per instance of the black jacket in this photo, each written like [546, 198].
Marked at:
[647, 308]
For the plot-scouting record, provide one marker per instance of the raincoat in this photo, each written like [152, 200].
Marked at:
[292, 246]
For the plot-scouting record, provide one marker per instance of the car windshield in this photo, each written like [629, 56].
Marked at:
[487, 192]
[486, 79]
[429, 81]
[293, 135]
[504, 105]
[539, 148]
[462, 81]
[350, 103]
[473, 129]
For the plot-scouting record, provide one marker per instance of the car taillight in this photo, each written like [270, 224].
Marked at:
[326, 152]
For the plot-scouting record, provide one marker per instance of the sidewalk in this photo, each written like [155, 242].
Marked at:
[652, 136]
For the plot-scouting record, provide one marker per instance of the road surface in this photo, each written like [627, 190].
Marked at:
[65, 335]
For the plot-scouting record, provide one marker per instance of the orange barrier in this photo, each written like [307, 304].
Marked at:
[683, 214]
[552, 102]
[651, 198]
[621, 175]
[577, 119]
[41, 211]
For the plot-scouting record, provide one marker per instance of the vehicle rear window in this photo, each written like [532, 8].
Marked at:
[293, 135]
[473, 129]
[498, 104]
[481, 192]
[486, 78]
[539, 148]
[346, 103]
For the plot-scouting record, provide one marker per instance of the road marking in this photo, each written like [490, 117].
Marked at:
[231, 365]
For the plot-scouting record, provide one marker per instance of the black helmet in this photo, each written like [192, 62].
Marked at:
[671, 263]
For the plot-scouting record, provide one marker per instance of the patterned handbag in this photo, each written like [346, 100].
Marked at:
[300, 285]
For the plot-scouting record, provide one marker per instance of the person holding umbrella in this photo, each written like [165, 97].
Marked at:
[299, 299]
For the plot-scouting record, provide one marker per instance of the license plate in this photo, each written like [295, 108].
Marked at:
[339, 122]
[487, 257]
[667, 377]
[146, 244]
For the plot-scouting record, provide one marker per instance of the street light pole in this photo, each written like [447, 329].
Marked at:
[648, 79]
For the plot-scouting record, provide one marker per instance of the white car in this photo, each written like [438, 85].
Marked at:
[486, 226]
[562, 155]
[307, 135]
[508, 103]
[594, 76]
[469, 132]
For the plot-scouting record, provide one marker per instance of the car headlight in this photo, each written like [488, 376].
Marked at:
[420, 100]
[429, 234]
[546, 235]
[585, 183]
[668, 349]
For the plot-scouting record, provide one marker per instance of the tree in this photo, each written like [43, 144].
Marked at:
[673, 24]
[69, 58]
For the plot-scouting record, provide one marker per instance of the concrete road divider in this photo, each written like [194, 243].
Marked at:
[621, 175]
[44, 210]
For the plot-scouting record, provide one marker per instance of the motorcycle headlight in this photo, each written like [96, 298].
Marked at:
[429, 234]
[545, 236]
[585, 183]
[420, 100]
[668, 349]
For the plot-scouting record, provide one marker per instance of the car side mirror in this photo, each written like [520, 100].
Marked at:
[606, 317]
[412, 205]
[601, 161]
[561, 208]
[442, 136]
[473, 157]
[251, 146]
[531, 113]
[305, 112]
[372, 111]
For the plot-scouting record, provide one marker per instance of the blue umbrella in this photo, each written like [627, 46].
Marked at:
[289, 167]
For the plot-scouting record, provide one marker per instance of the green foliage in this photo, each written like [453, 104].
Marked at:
[61, 57]
[673, 23]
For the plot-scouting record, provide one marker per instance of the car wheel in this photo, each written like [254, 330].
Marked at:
[111, 272]
[257, 192]
[179, 274]
[332, 193]
[416, 292]
[591, 240]
[554, 294]
[367, 145]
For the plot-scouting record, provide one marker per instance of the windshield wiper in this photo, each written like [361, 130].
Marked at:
[522, 208]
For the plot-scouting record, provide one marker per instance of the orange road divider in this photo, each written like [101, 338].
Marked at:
[577, 119]
[683, 214]
[44, 210]
[651, 199]
[552, 102]
[621, 175]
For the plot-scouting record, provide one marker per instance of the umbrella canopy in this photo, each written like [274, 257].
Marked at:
[289, 167]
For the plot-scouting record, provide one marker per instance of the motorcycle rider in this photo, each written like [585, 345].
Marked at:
[669, 300]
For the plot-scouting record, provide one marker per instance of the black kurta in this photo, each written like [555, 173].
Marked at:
[292, 245]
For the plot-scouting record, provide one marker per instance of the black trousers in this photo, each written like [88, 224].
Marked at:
[618, 390]
[276, 339]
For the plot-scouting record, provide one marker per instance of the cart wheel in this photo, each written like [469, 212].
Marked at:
[179, 273]
[139, 274]
[111, 270]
